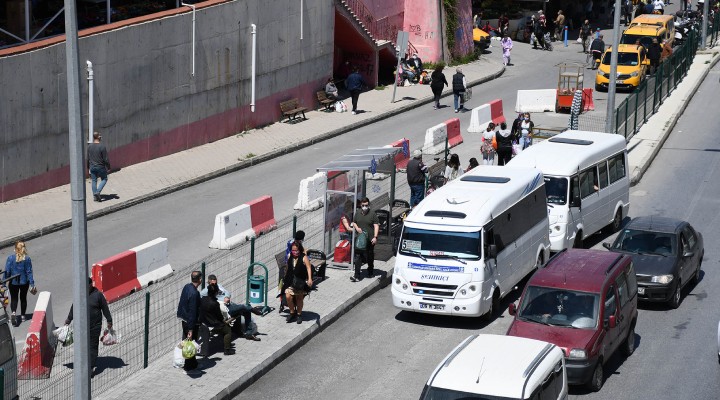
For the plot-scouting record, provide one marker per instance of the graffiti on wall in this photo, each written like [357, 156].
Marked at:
[363, 61]
[417, 31]
[463, 33]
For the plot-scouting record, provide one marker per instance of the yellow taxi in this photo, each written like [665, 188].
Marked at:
[630, 71]
[481, 39]
[665, 21]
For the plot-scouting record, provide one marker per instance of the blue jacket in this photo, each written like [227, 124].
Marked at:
[22, 268]
[354, 82]
[189, 306]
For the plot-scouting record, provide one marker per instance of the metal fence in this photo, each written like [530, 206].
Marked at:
[157, 304]
[644, 101]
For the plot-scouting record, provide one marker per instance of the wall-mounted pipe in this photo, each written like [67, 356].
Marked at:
[301, 19]
[91, 97]
[252, 68]
[193, 37]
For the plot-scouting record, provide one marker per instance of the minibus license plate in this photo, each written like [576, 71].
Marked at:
[641, 291]
[425, 306]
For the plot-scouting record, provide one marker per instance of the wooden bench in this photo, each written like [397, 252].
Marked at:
[291, 109]
[436, 169]
[318, 261]
[326, 103]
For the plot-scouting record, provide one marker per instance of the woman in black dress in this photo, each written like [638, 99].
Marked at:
[298, 281]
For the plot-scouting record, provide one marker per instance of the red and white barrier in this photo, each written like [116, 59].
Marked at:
[38, 353]
[588, 103]
[481, 116]
[402, 158]
[536, 100]
[311, 193]
[132, 270]
[243, 222]
[436, 135]
[262, 215]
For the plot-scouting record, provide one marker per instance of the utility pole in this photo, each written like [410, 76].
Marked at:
[706, 17]
[81, 357]
[610, 115]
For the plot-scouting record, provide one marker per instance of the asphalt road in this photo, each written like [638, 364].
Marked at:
[378, 352]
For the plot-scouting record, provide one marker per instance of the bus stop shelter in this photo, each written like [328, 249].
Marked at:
[361, 173]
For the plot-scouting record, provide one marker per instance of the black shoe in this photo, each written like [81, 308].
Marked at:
[254, 338]
[96, 197]
[229, 352]
[290, 318]
[370, 274]
[256, 311]
[299, 319]
[354, 279]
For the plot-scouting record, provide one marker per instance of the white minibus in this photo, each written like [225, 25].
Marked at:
[499, 367]
[468, 244]
[586, 181]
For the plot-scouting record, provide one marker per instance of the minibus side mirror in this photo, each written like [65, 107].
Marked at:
[492, 251]
[575, 201]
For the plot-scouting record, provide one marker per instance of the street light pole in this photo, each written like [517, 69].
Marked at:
[706, 18]
[612, 86]
[81, 357]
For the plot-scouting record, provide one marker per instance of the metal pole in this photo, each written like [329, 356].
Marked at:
[706, 6]
[108, 11]
[193, 37]
[397, 74]
[81, 356]
[91, 100]
[252, 68]
[147, 330]
[301, 19]
[202, 271]
[27, 20]
[295, 224]
[613, 69]
[565, 36]
[252, 250]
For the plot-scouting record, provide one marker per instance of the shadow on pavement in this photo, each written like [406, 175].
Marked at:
[104, 363]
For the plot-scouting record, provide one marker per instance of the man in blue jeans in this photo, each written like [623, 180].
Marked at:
[99, 164]
[416, 177]
[234, 310]
[354, 83]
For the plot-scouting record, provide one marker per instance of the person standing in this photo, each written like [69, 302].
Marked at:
[585, 32]
[416, 177]
[188, 312]
[19, 264]
[667, 50]
[99, 165]
[97, 308]
[654, 53]
[526, 131]
[559, 25]
[355, 83]
[504, 140]
[365, 221]
[459, 85]
[658, 7]
[504, 24]
[507, 45]
[437, 80]
[453, 169]
[299, 279]
[597, 48]
[486, 148]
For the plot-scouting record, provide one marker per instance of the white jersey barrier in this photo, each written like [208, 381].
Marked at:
[435, 139]
[535, 100]
[151, 260]
[312, 192]
[479, 119]
[232, 227]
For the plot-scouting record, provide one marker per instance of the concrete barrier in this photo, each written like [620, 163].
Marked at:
[116, 276]
[453, 132]
[486, 113]
[311, 194]
[232, 227]
[38, 353]
[402, 158]
[152, 261]
[536, 100]
[435, 139]
[588, 103]
[262, 215]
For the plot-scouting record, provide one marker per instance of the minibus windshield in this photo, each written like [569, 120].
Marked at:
[556, 190]
[560, 307]
[441, 244]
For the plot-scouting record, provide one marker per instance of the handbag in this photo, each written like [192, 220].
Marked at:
[33, 290]
[467, 95]
[361, 241]
[298, 283]
[494, 142]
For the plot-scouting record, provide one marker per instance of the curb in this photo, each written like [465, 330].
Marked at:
[256, 373]
[635, 179]
[238, 166]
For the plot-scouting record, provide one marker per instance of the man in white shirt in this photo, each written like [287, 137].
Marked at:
[658, 5]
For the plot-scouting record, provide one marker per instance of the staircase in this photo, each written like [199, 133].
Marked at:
[381, 32]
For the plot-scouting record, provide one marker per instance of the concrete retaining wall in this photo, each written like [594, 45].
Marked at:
[147, 103]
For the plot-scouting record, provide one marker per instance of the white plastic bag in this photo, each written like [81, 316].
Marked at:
[339, 106]
[579, 40]
[516, 149]
[64, 335]
[178, 360]
[110, 337]
[344, 106]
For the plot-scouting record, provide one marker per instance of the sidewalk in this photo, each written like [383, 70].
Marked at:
[51, 210]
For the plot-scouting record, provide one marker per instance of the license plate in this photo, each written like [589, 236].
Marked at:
[641, 291]
[425, 306]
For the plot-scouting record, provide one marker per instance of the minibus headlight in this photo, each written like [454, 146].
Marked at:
[463, 292]
[577, 354]
[404, 286]
[634, 74]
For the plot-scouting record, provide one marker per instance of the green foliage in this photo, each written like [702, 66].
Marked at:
[451, 24]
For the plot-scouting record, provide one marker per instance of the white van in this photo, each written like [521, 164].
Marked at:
[470, 242]
[499, 367]
[586, 181]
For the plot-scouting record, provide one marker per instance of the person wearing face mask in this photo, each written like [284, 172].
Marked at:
[365, 221]
[526, 131]
[298, 279]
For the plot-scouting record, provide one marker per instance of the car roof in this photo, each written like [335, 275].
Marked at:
[627, 48]
[494, 365]
[577, 150]
[643, 30]
[651, 19]
[577, 269]
[656, 224]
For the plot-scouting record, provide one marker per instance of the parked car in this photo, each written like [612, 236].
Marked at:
[499, 367]
[667, 254]
[585, 302]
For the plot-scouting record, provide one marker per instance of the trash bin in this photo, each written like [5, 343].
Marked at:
[256, 289]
